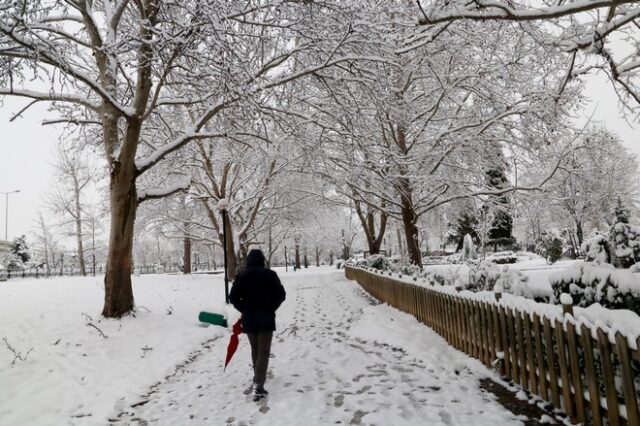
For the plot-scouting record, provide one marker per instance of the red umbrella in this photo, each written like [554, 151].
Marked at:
[233, 342]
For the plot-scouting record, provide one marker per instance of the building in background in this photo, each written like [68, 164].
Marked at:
[5, 248]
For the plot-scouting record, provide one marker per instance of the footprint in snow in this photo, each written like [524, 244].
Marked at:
[445, 416]
[363, 390]
[358, 377]
[357, 417]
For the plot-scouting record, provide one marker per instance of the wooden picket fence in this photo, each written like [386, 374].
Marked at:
[545, 357]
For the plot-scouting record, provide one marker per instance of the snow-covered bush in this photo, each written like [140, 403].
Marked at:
[14, 263]
[504, 257]
[588, 284]
[550, 246]
[483, 275]
[635, 268]
[443, 277]
[486, 276]
[596, 249]
[377, 261]
[624, 238]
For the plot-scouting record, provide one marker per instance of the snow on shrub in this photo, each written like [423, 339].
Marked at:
[588, 284]
[624, 238]
[377, 261]
[501, 258]
[550, 246]
[483, 276]
[596, 249]
[487, 276]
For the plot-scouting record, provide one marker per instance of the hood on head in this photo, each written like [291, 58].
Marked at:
[256, 258]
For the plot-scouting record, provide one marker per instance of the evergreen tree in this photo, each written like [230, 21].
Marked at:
[500, 233]
[550, 246]
[20, 249]
[467, 223]
[19, 254]
[624, 238]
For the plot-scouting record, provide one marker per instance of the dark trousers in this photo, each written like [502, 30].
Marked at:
[260, 351]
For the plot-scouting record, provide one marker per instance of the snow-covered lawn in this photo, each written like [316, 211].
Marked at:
[71, 370]
[338, 359]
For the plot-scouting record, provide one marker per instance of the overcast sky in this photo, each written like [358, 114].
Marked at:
[26, 150]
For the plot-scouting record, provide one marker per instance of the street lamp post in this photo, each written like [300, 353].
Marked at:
[223, 206]
[6, 213]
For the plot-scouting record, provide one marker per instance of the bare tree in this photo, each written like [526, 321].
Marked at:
[594, 175]
[596, 35]
[153, 75]
[423, 129]
[73, 175]
[44, 247]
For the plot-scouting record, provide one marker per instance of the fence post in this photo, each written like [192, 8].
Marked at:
[628, 386]
[613, 413]
[502, 324]
[542, 373]
[553, 377]
[592, 378]
[567, 401]
[531, 365]
[574, 363]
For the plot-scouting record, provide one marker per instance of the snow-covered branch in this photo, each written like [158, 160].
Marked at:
[157, 193]
[483, 10]
[50, 96]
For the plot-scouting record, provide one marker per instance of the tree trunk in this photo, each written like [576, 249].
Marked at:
[118, 297]
[186, 259]
[270, 252]
[400, 245]
[346, 250]
[317, 256]
[409, 220]
[374, 240]
[579, 233]
[79, 229]
[297, 256]
[93, 246]
[232, 258]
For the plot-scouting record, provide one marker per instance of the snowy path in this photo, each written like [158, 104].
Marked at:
[339, 359]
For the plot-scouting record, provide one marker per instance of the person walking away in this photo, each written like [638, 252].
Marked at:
[257, 293]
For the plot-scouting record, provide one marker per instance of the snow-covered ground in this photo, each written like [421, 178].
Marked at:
[338, 359]
[73, 375]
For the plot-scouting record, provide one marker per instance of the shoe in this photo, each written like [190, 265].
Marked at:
[259, 393]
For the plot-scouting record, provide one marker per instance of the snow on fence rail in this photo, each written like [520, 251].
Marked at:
[535, 350]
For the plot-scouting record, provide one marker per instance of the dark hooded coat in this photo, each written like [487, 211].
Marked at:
[257, 293]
